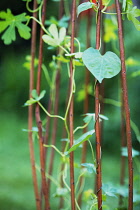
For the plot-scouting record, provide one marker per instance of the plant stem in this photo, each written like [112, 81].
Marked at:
[126, 105]
[86, 101]
[30, 111]
[72, 184]
[123, 144]
[97, 123]
[50, 115]
[38, 120]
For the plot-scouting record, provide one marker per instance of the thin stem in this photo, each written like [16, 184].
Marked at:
[126, 105]
[72, 184]
[57, 150]
[97, 123]
[44, 187]
[50, 115]
[34, 10]
[80, 127]
[86, 102]
[30, 111]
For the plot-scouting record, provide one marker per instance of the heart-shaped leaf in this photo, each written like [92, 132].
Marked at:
[101, 66]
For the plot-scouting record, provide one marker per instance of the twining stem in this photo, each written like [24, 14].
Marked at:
[97, 123]
[50, 115]
[30, 111]
[72, 184]
[38, 120]
[126, 105]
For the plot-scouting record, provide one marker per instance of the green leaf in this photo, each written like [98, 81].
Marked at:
[62, 34]
[109, 190]
[55, 38]
[101, 66]
[30, 102]
[80, 140]
[53, 31]
[42, 94]
[90, 167]
[9, 35]
[23, 30]
[132, 14]
[9, 22]
[50, 41]
[125, 152]
[35, 98]
[90, 116]
[34, 94]
[110, 30]
[84, 6]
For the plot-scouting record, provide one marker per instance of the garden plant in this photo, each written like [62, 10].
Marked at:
[63, 143]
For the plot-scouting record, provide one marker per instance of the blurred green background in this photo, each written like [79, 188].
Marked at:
[16, 190]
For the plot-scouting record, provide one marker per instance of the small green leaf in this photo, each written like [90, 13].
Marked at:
[79, 141]
[132, 14]
[55, 38]
[30, 102]
[109, 190]
[43, 92]
[90, 167]
[84, 6]
[125, 152]
[101, 66]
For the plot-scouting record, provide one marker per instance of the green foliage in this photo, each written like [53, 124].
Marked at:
[109, 190]
[84, 6]
[101, 66]
[134, 152]
[132, 13]
[35, 98]
[56, 37]
[80, 140]
[13, 22]
[90, 167]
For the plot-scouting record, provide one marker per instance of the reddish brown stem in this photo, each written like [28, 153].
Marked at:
[71, 109]
[86, 101]
[97, 124]
[30, 111]
[126, 105]
[37, 113]
[123, 144]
